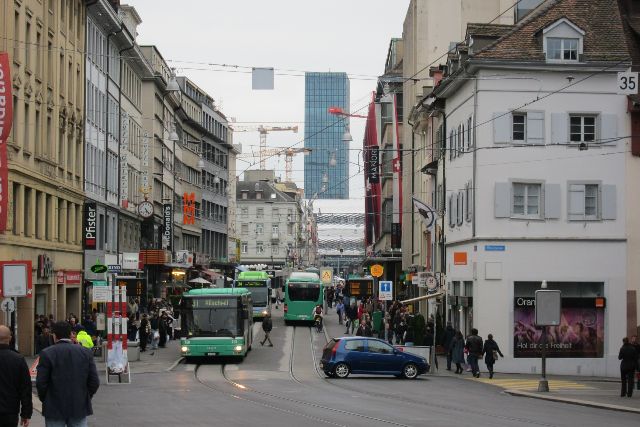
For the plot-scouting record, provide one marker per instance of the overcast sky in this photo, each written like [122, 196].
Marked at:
[291, 36]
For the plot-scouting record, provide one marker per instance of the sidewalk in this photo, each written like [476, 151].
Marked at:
[594, 392]
[151, 361]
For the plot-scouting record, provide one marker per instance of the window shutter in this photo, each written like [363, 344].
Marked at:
[502, 200]
[575, 210]
[609, 128]
[552, 201]
[609, 202]
[460, 208]
[559, 128]
[501, 128]
[535, 127]
[450, 211]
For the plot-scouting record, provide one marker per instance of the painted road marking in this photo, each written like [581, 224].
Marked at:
[531, 384]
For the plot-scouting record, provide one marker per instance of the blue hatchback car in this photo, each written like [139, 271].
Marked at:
[363, 355]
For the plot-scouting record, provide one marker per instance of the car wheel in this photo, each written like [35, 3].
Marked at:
[410, 371]
[342, 370]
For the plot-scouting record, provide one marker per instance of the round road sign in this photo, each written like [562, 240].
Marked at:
[376, 270]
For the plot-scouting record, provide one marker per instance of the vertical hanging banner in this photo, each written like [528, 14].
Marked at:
[6, 119]
[396, 225]
[124, 167]
[167, 222]
[189, 208]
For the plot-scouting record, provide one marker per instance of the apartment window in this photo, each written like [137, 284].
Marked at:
[244, 247]
[584, 201]
[519, 127]
[27, 46]
[275, 229]
[289, 229]
[526, 200]
[260, 213]
[259, 228]
[39, 62]
[244, 212]
[582, 128]
[16, 36]
[245, 229]
[275, 249]
[258, 195]
[562, 49]
[259, 247]
[275, 213]
[244, 195]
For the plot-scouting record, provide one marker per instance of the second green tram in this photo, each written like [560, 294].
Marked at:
[303, 291]
[259, 284]
[216, 322]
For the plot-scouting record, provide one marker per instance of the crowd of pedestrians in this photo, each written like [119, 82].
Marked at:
[66, 378]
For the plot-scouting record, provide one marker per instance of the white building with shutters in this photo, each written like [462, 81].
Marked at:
[534, 176]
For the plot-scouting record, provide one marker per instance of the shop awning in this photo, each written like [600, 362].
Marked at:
[422, 298]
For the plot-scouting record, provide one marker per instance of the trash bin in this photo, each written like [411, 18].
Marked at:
[133, 351]
[376, 319]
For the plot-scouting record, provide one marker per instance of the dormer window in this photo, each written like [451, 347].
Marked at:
[562, 49]
[563, 41]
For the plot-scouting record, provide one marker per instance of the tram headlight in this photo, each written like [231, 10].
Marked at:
[237, 348]
[184, 349]
[264, 312]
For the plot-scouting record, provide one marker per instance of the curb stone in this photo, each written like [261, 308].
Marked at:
[570, 401]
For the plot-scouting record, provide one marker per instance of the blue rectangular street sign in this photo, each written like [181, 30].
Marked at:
[494, 248]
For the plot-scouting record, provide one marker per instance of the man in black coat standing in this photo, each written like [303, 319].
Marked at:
[66, 381]
[15, 384]
[629, 361]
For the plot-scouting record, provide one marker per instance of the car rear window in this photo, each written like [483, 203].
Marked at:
[354, 345]
[330, 344]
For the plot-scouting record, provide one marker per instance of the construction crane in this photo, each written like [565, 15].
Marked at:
[264, 130]
[288, 152]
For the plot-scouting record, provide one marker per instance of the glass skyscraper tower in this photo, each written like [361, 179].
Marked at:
[323, 135]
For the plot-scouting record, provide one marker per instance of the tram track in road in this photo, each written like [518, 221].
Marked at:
[413, 402]
[257, 402]
[303, 402]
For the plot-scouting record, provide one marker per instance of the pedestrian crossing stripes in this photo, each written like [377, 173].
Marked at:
[531, 384]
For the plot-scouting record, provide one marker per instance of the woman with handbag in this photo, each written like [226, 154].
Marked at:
[491, 352]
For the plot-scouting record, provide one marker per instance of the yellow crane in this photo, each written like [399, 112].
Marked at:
[288, 152]
[264, 130]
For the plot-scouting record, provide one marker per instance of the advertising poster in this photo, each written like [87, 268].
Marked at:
[579, 335]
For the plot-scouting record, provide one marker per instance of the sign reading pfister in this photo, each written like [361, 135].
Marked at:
[385, 290]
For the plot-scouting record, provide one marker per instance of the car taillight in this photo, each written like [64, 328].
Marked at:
[334, 350]
[286, 308]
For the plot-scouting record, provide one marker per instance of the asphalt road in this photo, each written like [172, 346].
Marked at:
[280, 386]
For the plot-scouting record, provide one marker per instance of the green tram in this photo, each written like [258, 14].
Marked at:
[259, 284]
[303, 291]
[217, 322]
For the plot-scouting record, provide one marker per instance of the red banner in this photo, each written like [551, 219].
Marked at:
[6, 118]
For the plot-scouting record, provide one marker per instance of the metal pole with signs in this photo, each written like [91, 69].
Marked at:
[548, 306]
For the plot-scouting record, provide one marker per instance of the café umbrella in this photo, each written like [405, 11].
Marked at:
[200, 280]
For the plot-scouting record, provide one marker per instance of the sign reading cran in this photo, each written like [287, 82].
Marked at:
[6, 118]
[89, 225]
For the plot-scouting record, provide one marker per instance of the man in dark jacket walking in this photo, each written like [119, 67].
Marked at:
[267, 326]
[629, 361]
[66, 381]
[449, 333]
[15, 384]
[474, 346]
